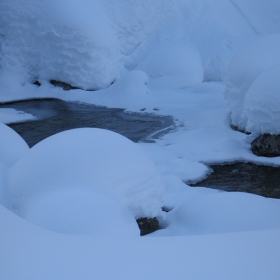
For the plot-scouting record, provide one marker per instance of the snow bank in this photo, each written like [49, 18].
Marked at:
[262, 103]
[67, 41]
[12, 146]
[247, 64]
[87, 43]
[220, 213]
[31, 253]
[90, 159]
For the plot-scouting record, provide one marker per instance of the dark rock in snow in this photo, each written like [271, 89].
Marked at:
[63, 85]
[37, 83]
[147, 225]
[266, 145]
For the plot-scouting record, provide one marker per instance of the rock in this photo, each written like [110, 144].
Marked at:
[63, 85]
[37, 83]
[147, 225]
[266, 145]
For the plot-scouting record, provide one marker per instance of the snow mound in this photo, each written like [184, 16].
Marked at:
[70, 42]
[12, 146]
[88, 159]
[81, 212]
[245, 67]
[174, 60]
[262, 103]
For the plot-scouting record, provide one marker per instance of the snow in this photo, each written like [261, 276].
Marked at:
[262, 17]
[35, 252]
[262, 103]
[88, 159]
[182, 66]
[8, 115]
[230, 212]
[71, 42]
[12, 146]
[245, 67]
[81, 213]
[68, 205]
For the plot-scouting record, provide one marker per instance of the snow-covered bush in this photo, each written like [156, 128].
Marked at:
[88, 159]
[70, 41]
[12, 146]
[245, 67]
[262, 103]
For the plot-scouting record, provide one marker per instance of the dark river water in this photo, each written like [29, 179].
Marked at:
[55, 116]
[244, 177]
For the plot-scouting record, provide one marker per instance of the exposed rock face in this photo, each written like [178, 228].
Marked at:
[266, 145]
[148, 225]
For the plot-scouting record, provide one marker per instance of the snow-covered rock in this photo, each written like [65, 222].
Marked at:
[262, 103]
[81, 212]
[256, 57]
[12, 146]
[67, 41]
[88, 159]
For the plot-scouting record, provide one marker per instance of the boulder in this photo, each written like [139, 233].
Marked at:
[266, 145]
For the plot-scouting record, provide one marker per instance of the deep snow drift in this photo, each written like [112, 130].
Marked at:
[174, 58]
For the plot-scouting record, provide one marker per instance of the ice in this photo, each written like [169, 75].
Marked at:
[88, 159]
[245, 67]
[12, 146]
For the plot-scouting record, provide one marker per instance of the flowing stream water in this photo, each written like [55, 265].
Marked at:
[244, 177]
[54, 115]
